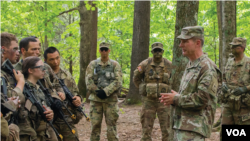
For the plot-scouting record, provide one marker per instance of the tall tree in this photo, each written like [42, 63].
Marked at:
[226, 13]
[85, 43]
[94, 34]
[140, 44]
[186, 15]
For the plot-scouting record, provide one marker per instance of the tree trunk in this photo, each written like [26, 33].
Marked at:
[220, 33]
[94, 35]
[186, 15]
[226, 13]
[85, 44]
[46, 44]
[140, 44]
[70, 57]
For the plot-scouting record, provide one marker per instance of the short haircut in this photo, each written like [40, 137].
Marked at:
[6, 39]
[29, 62]
[50, 50]
[199, 38]
[24, 43]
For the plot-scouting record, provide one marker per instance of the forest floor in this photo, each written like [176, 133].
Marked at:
[129, 126]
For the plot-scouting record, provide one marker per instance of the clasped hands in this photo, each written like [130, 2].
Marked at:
[167, 98]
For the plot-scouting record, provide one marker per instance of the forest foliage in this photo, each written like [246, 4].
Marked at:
[115, 25]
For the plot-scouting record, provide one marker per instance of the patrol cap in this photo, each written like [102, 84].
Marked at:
[157, 45]
[103, 44]
[239, 41]
[191, 31]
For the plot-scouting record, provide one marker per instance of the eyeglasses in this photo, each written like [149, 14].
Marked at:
[42, 68]
[157, 50]
[104, 49]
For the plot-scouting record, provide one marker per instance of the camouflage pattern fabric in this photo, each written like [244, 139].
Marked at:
[195, 103]
[108, 106]
[151, 110]
[236, 75]
[112, 90]
[11, 132]
[110, 111]
[50, 81]
[192, 31]
[63, 129]
[155, 81]
[180, 135]
[239, 41]
[60, 125]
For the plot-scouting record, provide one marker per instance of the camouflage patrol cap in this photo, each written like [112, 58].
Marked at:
[157, 45]
[191, 31]
[239, 41]
[103, 44]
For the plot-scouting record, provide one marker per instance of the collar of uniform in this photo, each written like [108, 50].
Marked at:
[108, 63]
[196, 62]
[241, 62]
[161, 64]
[32, 85]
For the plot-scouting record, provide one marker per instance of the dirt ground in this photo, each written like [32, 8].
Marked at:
[129, 126]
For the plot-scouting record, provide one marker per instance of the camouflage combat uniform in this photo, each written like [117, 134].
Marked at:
[236, 108]
[60, 125]
[153, 79]
[12, 91]
[195, 103]
[8, 132]
[106, 76]
[51, 83]
[34, 127]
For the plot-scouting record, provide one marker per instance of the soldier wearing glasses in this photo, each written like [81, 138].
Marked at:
[236, 86]
[152, 78]
[104, 81]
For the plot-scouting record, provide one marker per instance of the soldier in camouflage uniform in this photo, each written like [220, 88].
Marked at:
[9, 50]
[33, 126]
[236, 86]
[152, 78]
[30, 47]
[52, 58]
[104, 81]
[195, 103]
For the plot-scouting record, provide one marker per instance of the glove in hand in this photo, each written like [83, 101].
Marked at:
[240, 90]
[101, 94]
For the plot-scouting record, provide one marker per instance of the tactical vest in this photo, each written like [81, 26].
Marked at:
[103, 76]
[155, 81]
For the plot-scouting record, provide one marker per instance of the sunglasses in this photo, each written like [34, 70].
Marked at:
[235, 46]
[157, 50]
[42, 68]
[104, 49]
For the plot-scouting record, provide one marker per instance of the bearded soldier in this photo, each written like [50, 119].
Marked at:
[152, 78]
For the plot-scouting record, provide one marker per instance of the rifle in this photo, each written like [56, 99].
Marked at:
[30, 96]
[69, 96]
[8, 68]
[59, 112]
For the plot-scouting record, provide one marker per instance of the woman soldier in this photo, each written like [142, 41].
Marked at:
[35, 127]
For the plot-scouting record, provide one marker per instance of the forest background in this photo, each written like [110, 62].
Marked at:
[67, 25]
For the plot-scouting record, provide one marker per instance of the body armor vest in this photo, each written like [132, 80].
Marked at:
[103, 76]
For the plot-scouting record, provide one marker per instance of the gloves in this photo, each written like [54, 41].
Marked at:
[56, 105]
[224, 88]
[101, 94]
[240, 90]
